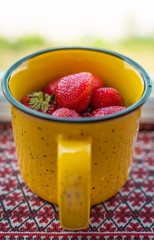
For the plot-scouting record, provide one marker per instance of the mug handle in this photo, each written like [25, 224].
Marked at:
[74, 181]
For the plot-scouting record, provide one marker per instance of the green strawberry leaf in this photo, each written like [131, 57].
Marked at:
[32, 101]
[40, 100]
[36, 94]
[47, 98]
[36, 106]
[44, 107]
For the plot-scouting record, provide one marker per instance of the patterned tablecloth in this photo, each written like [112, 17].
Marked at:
[128, 215]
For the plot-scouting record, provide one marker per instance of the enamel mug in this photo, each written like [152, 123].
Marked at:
[75, 163]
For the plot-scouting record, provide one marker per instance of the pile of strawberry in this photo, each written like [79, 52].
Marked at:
[76, 96]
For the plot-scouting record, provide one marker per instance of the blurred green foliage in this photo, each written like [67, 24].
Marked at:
[4, 43]
[140, 49]
[132, 42]
[29, 41]
[23, 42]
[138, 43]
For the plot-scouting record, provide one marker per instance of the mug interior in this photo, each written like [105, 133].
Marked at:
[34, 72]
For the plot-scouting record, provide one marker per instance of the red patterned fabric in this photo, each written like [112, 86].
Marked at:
[127, 215]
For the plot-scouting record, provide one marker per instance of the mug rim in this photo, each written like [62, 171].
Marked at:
[133, 107]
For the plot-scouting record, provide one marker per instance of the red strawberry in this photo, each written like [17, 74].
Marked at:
[87, 112]
[106, 111]
[39, 101]
[66, 113]
[98, 83]
[74, 91]
[106, 97]
[26, 100]
[52, 107]
[50, 88]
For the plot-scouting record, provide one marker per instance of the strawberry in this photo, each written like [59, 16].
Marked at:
[98, 83]
[52, 107]
[106, 97]
[26, 100]
[50, 88]
[66, 113]
[106, 111]
[74, 91]
[40, 101]
[87, 112]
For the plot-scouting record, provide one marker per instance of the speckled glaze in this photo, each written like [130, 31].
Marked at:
[82, 162]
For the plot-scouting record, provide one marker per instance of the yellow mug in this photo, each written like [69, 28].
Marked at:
[75, 163]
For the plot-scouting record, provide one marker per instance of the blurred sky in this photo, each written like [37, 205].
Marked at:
[65, 20]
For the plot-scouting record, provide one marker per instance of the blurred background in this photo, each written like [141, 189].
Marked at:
[123, 26]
